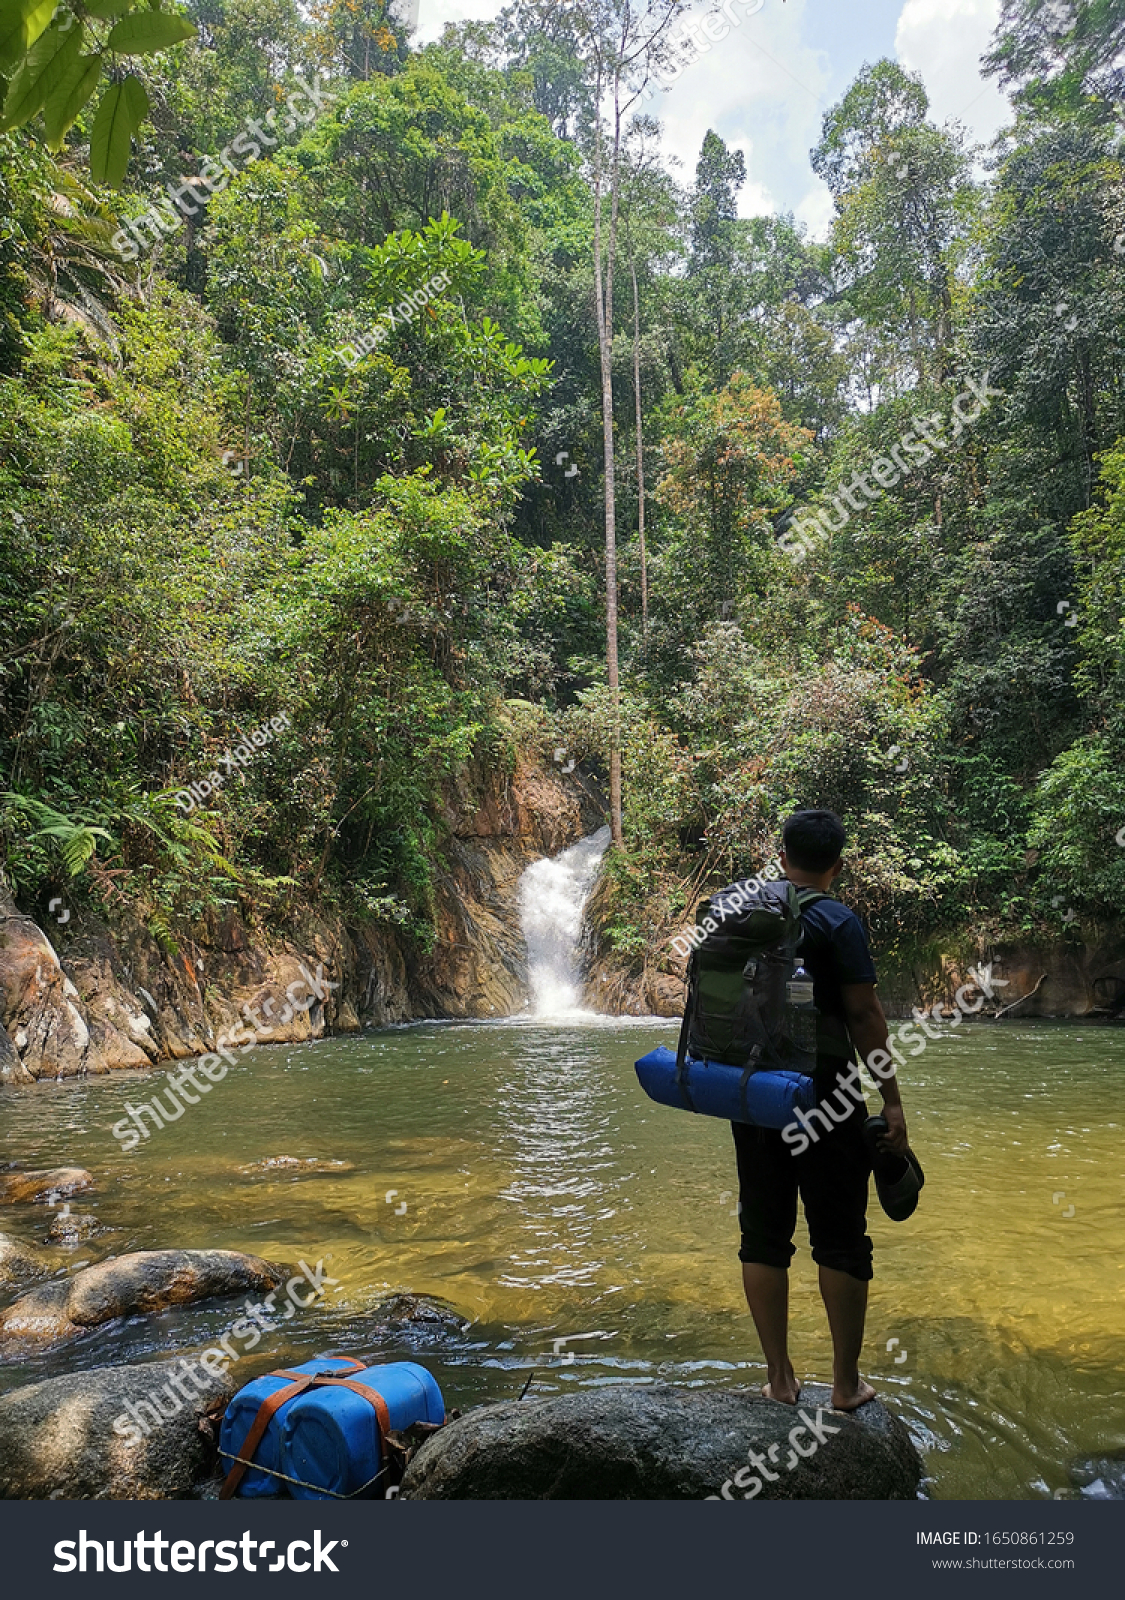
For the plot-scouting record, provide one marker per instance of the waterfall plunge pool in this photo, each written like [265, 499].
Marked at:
[515, 1170]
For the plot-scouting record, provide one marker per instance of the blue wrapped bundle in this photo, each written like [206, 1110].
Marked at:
[765, 1099]
[328, 1437]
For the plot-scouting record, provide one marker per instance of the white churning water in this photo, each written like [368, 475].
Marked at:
[553, 893]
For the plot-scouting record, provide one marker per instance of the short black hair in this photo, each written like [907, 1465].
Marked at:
[814, 839]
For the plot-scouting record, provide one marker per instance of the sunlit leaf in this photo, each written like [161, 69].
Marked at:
[69, 97]
[123, 108]
[46, 66]
[21, 27]
[145, 32]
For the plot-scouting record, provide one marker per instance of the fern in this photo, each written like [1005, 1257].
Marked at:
[78, 841]
[184, 841]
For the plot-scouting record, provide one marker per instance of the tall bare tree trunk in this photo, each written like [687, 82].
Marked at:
[603, 285]
[633, 40]
[640, 445]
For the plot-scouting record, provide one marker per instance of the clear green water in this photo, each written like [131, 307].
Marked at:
[547, 1198]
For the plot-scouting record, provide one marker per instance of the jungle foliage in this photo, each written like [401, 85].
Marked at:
[223, 497]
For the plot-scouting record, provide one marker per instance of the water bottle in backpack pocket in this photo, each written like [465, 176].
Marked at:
[801, 1017]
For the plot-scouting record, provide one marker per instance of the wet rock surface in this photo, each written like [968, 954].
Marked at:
[22, 1263]
[70, 1228]
[47, 1185]
[297, 1167]
[415, 1316]
[663, 1443]
[82, 1436]
[1101, 1478]
[145, 1281]
[92, 998]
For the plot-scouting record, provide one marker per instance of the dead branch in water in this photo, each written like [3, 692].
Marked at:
[1005, 1009]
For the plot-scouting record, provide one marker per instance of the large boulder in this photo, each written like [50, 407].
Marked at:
[11, 1069]
[48, 1183]
[148, 1280]
[121, 1001]
[661, 1443]
[37, 1003]
[118, 1433]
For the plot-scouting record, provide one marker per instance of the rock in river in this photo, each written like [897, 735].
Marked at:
[624, 1442]
[1100, 1479]
[75, 1437]
[21, 1263]
[148, 1280]
[72, 1227]
[49, 1184]
[415, 1317]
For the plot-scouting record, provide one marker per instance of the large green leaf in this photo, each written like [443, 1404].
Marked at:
[123, 108]
[108, 8]
[19, 29]
[47, 64]
[68, 98]
[145, 32]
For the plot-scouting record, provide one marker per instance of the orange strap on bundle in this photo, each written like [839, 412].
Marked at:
[301, 1381]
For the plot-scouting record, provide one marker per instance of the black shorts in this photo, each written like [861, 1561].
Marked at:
[831, 1176]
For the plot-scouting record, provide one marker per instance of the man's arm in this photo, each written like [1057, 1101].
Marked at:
[867, 1028]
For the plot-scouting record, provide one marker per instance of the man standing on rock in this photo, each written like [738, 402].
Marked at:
[828, 1164]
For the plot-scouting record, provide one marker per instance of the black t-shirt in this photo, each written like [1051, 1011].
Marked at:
[834, 950]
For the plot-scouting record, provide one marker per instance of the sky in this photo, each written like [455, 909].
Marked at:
[766, 87]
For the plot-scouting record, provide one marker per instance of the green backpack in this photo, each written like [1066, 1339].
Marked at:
[736, 1010]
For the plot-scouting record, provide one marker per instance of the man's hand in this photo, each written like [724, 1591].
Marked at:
[867, 1027]
[895, 1138]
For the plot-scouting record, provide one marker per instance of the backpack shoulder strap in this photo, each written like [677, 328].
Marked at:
[685, 1029]
[809, 897]
[799, 902]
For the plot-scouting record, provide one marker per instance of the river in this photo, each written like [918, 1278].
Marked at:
[516, 1171]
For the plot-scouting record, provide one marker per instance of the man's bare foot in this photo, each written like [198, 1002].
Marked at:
[787, 1392]
[853, 1396]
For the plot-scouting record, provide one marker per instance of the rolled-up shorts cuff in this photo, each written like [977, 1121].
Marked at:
[754, 1253]
[856, 1263]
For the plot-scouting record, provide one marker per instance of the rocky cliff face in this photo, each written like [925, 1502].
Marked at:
[1051, 978]
[102, 997]
[1028, 978]
[97, 998]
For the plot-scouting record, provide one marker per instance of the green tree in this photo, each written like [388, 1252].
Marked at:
[1061, 54]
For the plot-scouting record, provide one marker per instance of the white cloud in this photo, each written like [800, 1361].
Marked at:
[434, 14]
[762, 90]
[944, 41]
[816, 210]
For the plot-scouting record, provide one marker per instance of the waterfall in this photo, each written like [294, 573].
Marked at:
[553, 894]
